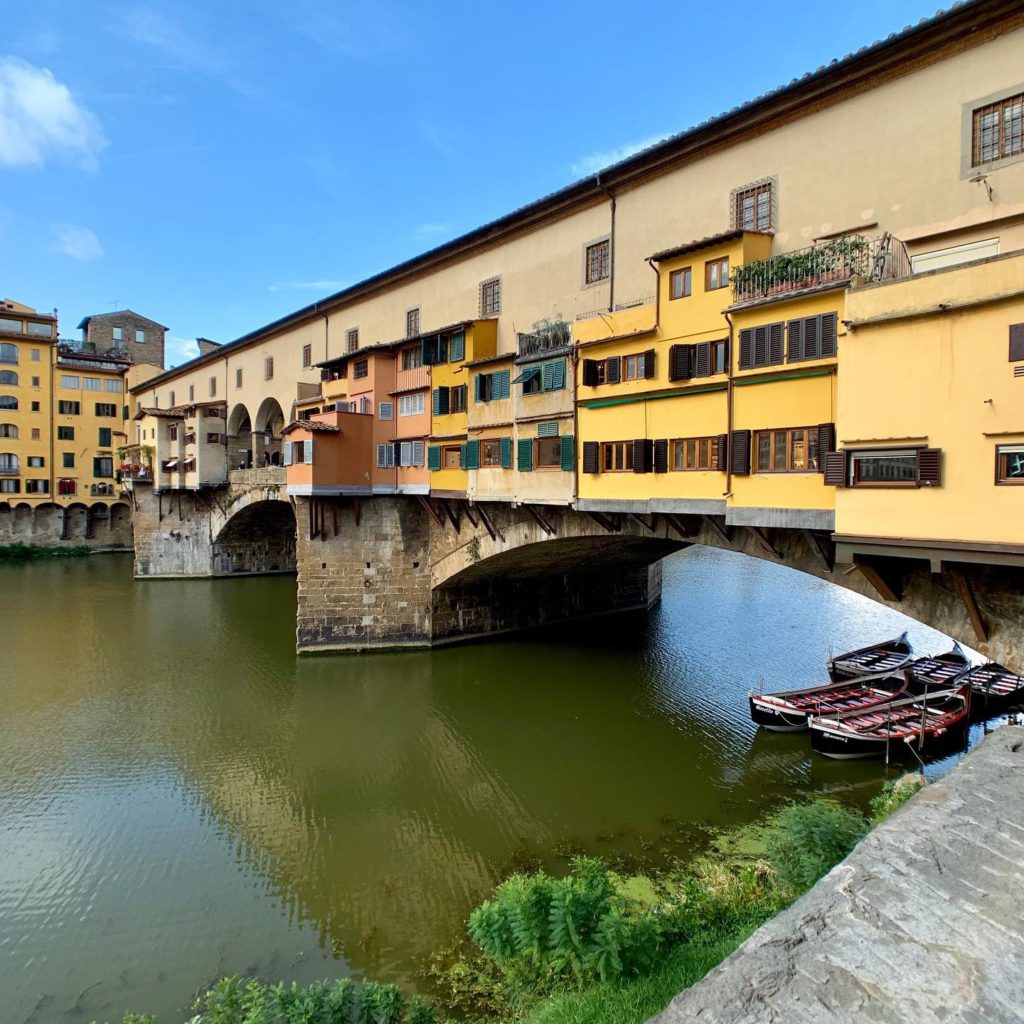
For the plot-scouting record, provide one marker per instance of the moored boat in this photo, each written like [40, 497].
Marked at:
[887, 656]
[926, 724]
[993, 688]
[938, 672]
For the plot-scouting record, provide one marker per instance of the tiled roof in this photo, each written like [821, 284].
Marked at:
[700, 243]
[380, 345]
[313, 426]
[499, 358]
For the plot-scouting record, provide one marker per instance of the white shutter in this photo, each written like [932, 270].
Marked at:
[288, 453]
[309, 452]
[406, 453]
[382, 456]
[417, 453]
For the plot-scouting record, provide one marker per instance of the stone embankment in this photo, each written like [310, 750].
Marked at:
[923, 922]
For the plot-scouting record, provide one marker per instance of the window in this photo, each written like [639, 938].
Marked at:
[549, 452]
[597, 260]
[695, 453]
[113, 386]
[307, 356]
[1016, 343]
[1010, 464]
[890, 466]
[8, 377]
[457, 347]
[105, 437]
[793, 450]
[103, 466]
[811, 337]
[998, 130]
[491, 387]
[65, 433]
[10, 486]
[36, 462]
[386, 410]
[8, 430]
[35, 434]
[69, 381]
[172, 432]
[36, 355]
[490, 452]
[10, 327]
[10, 402]
[35, 382]
[90, 384]
[543, 377]
[680, 283]
[617, 456]
[140, 336]
[458, 399]
[296, 452]
[352, 339]
[170, 399]
[68, 460]
[435, 349]
[118, 334]
[35, 405]
[412, 323]
[191, 395]
[238, 377]
[106, 409]
[42, 330]
[67, 487]
[215, 438]
[451, 457]
[8, 462]
[412, 358]
[716, 274]
[360, 369]
[634, 367]
[761, 346]
[753, 207]
[268, 368]
[213, 386]
[490, 297]
[37, 486]
[385, 456]
[69, 408]
[411, 405]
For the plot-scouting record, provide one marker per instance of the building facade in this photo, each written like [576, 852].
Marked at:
[124, 334]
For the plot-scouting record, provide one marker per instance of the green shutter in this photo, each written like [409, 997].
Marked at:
[525, 454]
[502, 388]
[457, 347]
[472, 455]
[568, 452]
[547, 377]
[506, 453]
[476, 386]
[557, 375]
[434, 457]
[435, 401]
[462, 455]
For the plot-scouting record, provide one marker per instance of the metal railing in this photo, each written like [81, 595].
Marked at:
[544, 341]
[840, 259]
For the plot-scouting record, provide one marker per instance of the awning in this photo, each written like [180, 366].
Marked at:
[528, 374]
[189, 464]
[170, 464]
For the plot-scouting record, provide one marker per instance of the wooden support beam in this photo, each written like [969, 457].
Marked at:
[453, 514]
[966, 592]
[334, 510]
[762, 541]
[491, 528]
[822, 548]
[718, 527]
[679, 527]
[428, 505]
[604, 522]
[885, 580]
[540, 520]
[159, 509]
[639, 519]
[312, 518]
[357, 509]
[471, 516]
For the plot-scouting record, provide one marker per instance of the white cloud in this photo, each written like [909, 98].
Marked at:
[440, 227]
[151, 28]
[40, 118]
[179, 350]
[76, 242]
[595, 162]
[308, 286]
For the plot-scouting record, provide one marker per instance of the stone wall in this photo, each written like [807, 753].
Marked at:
[172, 534]
[101, 333]
[107, 528]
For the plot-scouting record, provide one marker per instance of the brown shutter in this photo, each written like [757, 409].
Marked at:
[795, 337]
[826, 443]
[746, 348]
[827, 335]
[1016, 343]
[703, 359]
[643, 453]
[590, 373]
[835, 468]
[929, 467]
[740, 452]
[649, 364]
[761, 345]
[723, 452]
[679, 362]
[661, 456]
[612, 370]
[775, 343]
[591, 457]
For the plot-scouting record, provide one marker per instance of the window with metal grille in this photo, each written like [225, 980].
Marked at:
[238, 377]
[307, 355]
[998, 130]
[213, 386]
[352, 339]
[360, 369]
[753, 206]
[412, 322]
[268, 368]
[598, 261]
[490, 297]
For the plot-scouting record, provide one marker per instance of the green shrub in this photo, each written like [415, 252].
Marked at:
[894, 795]
[807, 840]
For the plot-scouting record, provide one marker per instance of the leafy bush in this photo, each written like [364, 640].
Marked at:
[894, 795]
[544, 932]
[807, 840]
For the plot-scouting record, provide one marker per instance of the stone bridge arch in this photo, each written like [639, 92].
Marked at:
[254, 534]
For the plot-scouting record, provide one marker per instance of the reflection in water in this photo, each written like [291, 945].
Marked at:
[181, 798]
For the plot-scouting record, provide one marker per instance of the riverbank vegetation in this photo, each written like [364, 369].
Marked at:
[595, 946]
[32, 552]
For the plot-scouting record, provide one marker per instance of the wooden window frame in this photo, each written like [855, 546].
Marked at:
[754, 190]
[268, 367]
[684, 274]
[621, 459]
[597, 261]
[810, 437]
[681, 444]
[307, 356]
[457, 398]
[721, 265]
[1004, 142]
[352, 339]
[537, 464]
[855, 455]
[490, 296]
[1003, 451]
[490, 453]
[361, 369]
[412, 322]
[636, 360]
[413, 357]
[445, 450]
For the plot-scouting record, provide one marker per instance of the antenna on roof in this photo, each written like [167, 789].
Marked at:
[113, 305]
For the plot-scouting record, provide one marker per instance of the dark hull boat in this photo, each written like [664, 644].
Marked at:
[927, 724]
[993, 688]
[938, 673]
[887, 656]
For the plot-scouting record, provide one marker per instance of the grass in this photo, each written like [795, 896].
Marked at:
[32, 552]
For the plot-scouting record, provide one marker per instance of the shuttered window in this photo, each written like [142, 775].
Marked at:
[613, 369]
[567, 453]
[739, 452]
[591, 457]
[661, 455]
[385, 456]
[434, 457]
[457, 347]
[761, 346]
[525, 454]
[787, 450]
[617, 456]
[472, 455]
[506, 453]
[417, 453]
[811, 337]
[440, 401]
[885, 467]
[549, 428]
[548, 376]
[491, 386]
[1016, 343]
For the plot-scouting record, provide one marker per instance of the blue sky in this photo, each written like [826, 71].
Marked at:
[216, 165]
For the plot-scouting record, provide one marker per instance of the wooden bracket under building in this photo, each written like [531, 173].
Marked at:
[822, 548]
[762, 541]
[718, 527]
[428, 505]
[453, 514]
[604, 522]
[471, 516]
[886, 581]
[649, 527]
[540, 520]
[488, 525]
[966, 592]
[679, 527]
[357, 511]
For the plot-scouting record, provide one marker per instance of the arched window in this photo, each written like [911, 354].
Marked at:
[8, 462]
[8, 353]
[9, 430]
[8, 377]
[8, 402]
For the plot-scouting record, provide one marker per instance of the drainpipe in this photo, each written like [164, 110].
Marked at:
[611, 243]
[316, 307]
[657, 292]
[728, 408]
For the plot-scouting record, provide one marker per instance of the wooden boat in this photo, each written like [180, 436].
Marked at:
[993, 688]
[926, 724]
[938, 672]
[887, 656]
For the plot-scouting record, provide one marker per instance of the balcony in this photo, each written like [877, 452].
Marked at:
[308, 392]
[554, 336]
[415, 377]
[833, 262]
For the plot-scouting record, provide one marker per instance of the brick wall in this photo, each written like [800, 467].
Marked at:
[101, 333]
[49, 526]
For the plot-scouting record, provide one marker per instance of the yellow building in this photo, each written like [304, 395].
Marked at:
[27, 340]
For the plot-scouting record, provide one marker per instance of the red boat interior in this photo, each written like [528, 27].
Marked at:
[848, 698]
[898, 723]
[937, 670]
[876, 661]
[995, 679]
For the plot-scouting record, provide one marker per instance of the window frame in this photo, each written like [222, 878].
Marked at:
[635, 361]
[621, 457]
[718, 265]
[490, 453]
[446, 450]
[975, 138]
[810, 440]
[412, 322]
[856, 455]
[679, 446]
[307, 356]
[554, 441]
[754, 190]
[1004, 451]
[361, 369]
[490, 306]
[684, 274]
[601, 271]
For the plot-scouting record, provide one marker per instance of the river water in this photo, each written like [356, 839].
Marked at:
[181, 797]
